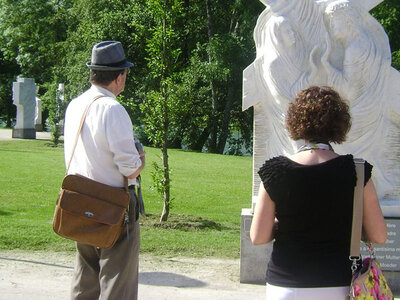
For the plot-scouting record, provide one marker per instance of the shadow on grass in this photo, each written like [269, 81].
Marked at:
[181, 222]
[52, 145]
[5, 213]
[21, 151]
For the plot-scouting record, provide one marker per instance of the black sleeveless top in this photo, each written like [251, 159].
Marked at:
[314, 206]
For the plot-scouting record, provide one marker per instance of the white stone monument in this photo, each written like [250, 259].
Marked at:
[336, 43]
[24, 94]
[60, 102]
[38, 115]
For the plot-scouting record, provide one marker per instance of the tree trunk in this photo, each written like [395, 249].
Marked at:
[224, 130]
[226, 118]
[186, 51]
[165, 212]
[213, 116]
[9, 120]
[164, 92]
[199, 144]
[166, 196]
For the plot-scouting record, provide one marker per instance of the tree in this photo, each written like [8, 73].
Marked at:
[53, 38]
[162, 53]
[29, 46]
[31, 33]
[7, 76]
[54, 102]
[210, 93]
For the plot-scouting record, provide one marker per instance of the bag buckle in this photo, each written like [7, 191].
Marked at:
[354, 259]
[89, 214]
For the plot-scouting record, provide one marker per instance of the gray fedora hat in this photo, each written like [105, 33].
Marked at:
[108, 56]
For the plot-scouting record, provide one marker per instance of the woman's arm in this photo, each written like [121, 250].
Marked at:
[263, 224]
[374, 225]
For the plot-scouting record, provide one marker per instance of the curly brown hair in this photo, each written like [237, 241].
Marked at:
[318, 114]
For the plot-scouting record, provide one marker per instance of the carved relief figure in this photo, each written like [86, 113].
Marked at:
[361, 75]
[326, 42]
[284, 57]
[359, 50]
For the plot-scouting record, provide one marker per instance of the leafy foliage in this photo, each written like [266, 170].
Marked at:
[162, 54]
[7, 76]
[56, 107]
[31, 33]
[388, 14]
[47, 39]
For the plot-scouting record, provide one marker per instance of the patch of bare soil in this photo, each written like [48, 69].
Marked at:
[179, 221]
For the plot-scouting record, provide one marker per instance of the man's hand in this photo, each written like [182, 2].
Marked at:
[135, 174]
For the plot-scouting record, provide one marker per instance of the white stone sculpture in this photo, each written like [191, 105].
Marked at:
[24, 94]
[38, 115]
[327, 42]
[60, 106]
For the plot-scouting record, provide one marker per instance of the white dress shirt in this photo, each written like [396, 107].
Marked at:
[105, 150]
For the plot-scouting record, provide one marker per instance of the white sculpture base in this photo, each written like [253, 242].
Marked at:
[389, 211]
[253, 259]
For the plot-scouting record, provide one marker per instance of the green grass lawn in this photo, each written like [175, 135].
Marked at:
[208, 193]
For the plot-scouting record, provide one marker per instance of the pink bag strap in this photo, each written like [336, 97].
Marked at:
[356, 229]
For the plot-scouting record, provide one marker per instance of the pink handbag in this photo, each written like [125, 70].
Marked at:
[368, 282]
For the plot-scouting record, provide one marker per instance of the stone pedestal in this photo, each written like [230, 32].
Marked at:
[253, 259]
[24, 94]
[388, 255]
[24, 133]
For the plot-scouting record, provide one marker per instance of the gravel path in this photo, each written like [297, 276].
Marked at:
[47, 275]
[6, 135]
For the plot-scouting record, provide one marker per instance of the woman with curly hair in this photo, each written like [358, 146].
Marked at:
[305, 203]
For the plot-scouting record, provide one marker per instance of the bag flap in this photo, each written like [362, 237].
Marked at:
[91, 208]
[92, 188]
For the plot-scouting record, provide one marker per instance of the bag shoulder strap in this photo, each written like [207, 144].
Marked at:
[80, 129]
[356, 227]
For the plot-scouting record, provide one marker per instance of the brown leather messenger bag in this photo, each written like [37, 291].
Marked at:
[88, 211]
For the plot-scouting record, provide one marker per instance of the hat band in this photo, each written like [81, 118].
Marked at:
[117, 64]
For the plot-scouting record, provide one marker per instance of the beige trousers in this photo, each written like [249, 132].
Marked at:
[109, 273]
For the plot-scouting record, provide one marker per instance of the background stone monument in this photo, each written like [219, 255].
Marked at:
[38, 115]
[24, 94]
[339, 44]
[60, 105]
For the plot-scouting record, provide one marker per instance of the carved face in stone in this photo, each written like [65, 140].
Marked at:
[282, 33]
[344, 24]
[287, 33]
[338, 28]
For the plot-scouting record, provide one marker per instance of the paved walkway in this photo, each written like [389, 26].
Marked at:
[6, 135]
[47, 276]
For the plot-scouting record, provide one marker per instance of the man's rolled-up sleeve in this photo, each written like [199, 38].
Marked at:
[120, 138]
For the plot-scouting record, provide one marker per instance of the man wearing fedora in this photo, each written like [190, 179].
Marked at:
[105, 152]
